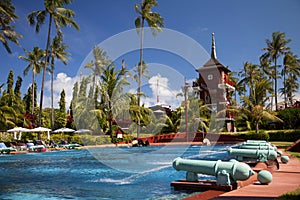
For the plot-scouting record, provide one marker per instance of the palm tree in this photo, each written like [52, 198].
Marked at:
[275, 48]
[239, 89]
[7, 32]
[61, 17]
[34, 58]
[249, 74]
[111, 83]
[155, 22]
[98, 66]
[254, 106]
[292, 86]
[57, 52]
[291, 67]
[269, 71]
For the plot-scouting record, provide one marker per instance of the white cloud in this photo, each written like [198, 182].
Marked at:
[156, 85]
[161, 92]
[61, 81]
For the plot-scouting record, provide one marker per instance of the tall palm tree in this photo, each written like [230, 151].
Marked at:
[254, 106]
[7, 32]
[61, 17]
[155, 22]
[291, 67]
[292, 86]
[98, 65]
[269, 71]
[34, 58]
[58, 51]
[249, 74]
[112, 82]
[275, 48]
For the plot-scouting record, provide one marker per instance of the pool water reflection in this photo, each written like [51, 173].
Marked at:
[97, 173]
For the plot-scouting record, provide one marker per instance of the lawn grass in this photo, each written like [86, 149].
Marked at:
[281, 144]
[295, 154]
[293, 195]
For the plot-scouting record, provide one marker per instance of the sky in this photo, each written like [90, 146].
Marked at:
[240, 29]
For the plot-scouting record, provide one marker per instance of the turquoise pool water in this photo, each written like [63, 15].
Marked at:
[99, 173]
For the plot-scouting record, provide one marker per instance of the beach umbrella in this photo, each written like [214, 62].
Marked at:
[64, 130]
[42, 129]
[83, 131]
[18, 130]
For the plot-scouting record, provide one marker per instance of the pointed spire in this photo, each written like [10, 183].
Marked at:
[213, 47]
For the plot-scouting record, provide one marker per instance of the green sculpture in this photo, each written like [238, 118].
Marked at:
[261, 155]
[226, 172]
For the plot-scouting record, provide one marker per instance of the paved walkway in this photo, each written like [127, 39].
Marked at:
[286, 179]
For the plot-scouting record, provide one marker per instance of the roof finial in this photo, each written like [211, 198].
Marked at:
[213, 47]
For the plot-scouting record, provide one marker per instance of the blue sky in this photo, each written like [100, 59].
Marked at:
[240, 28]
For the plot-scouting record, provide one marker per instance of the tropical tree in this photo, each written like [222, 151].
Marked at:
[35, 64]
[155, 22]
[28, 100]
[62, 102]
[60, 119]
[290, 73]
[12, 100]
[157, 124]
[275, 48]
[254, 106]
[1, 88]
[18, 103]
[61, 17]
[292, 86]
[57, 52]
[7, 116]
[98, 65]
[17, 90]
[239, 88]
[7, 32]
[82, 106]
[112, 82]
[10, 82]
[249, 75]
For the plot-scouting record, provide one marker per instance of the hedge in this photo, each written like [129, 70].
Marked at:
[284, 135]
[252, 135]
[274, 135]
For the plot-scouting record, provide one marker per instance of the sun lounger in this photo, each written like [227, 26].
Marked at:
[35, 148]
[5, 149]
[71, 146]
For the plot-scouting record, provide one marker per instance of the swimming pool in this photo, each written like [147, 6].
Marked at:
[99, 173]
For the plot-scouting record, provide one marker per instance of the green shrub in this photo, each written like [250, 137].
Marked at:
[284, 135]
[290, 117]
[252, 135]
[295, 194]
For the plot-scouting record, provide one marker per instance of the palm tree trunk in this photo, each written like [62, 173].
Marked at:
[32, 100]
[140, 65]
[44, 73]
[275, 87]
[110, 120]
[52, 99]
[284, 90]
[256, 127]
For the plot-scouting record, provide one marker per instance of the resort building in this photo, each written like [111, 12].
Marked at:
[215, 88]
